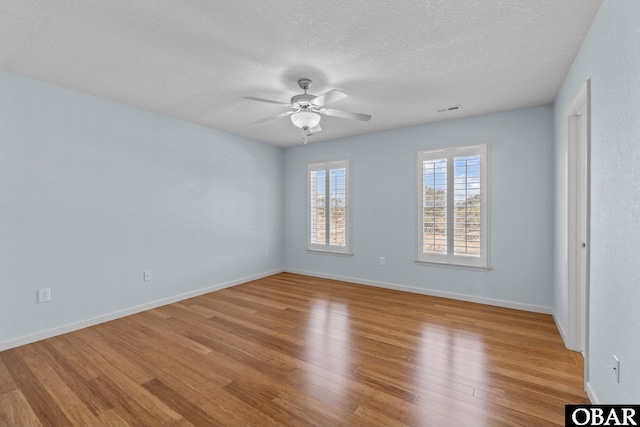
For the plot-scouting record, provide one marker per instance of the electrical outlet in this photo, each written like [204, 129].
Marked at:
[382, 260]
[147, 276]
[44, 295]
[266, 253]
[616, 368]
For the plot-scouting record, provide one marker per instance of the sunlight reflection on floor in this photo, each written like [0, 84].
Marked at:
[328, 346]
[447, 384]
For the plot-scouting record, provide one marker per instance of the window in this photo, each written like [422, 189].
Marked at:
[328, 208]
[453, 192]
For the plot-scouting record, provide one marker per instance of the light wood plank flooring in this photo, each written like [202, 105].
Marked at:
[292, 350]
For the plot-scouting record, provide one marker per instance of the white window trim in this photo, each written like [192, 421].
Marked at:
[451, 260]
[329, 249]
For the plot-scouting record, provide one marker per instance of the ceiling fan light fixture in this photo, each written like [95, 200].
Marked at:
[305, 119]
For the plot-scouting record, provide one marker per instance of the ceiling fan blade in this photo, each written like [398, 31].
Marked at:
[315, 129]
[346, 114]
[253, 98]
[266, 119]
[329, 97]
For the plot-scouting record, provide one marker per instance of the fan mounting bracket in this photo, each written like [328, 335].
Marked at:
[304, 84]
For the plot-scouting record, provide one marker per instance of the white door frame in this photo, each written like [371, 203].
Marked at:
[578, 160]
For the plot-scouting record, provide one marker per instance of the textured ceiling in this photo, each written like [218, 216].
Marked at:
[398, 61]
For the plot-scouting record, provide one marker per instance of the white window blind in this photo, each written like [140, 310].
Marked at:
[453, 215]
[328, 208]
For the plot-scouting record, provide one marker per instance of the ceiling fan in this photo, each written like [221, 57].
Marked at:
[306, 110]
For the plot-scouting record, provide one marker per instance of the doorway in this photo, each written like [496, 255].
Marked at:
[578, 155]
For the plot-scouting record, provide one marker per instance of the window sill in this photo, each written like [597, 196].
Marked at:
[451, 265]
[316, 251]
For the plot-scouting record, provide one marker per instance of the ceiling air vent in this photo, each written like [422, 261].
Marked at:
[452, 108]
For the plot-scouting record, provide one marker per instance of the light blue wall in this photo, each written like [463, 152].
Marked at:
[610, 56]
[384, 207]
[92, 193]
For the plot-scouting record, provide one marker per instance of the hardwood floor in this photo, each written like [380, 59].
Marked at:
[291, 350]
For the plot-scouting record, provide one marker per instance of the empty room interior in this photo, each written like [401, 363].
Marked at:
[362, 213]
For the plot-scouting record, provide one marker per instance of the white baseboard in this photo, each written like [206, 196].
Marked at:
[560, 329]
[592, 394]
[432, 292]
[59, 330]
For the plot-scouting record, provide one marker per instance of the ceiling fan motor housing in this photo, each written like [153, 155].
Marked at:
[303, 100]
